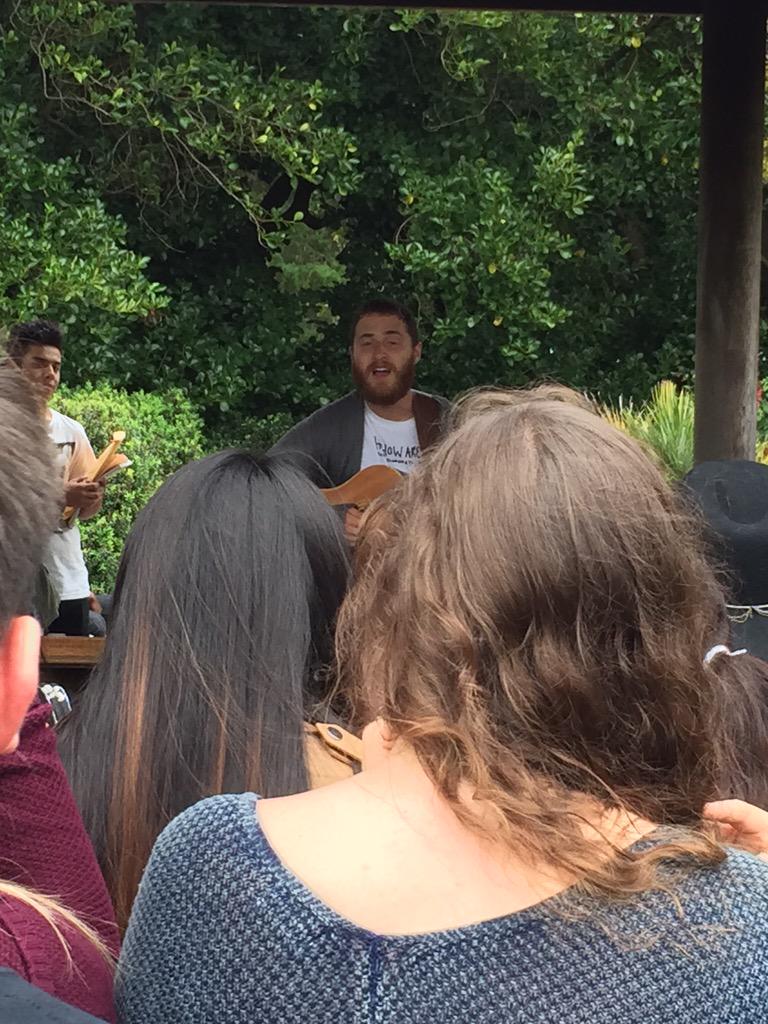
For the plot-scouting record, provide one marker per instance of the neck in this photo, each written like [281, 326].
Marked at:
[400, 410]
[391, 768]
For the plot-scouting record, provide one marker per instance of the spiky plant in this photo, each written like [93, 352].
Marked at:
[664, 424]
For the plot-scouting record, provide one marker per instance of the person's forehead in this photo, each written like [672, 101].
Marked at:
[378, 323]
[44, 353]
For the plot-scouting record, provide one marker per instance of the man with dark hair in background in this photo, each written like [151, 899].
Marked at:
[36, 347]
[384, 421]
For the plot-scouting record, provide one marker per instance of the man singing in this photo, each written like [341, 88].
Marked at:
[385, 421]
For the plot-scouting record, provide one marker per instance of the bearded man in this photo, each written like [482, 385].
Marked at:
[384, 421]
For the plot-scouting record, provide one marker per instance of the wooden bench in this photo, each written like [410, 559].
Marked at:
[68, 660]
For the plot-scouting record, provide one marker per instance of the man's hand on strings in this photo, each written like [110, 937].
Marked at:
[352, 519]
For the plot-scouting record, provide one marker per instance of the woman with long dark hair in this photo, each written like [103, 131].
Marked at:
[534, 643]
[217, 656]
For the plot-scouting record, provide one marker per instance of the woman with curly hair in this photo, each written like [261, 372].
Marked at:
[533, 643]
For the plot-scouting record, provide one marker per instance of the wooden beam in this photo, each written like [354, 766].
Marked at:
[71, 651]
[549, 6]
[696, 7]
[730, 221]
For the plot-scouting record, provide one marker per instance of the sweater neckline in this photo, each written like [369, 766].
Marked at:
[518, 921]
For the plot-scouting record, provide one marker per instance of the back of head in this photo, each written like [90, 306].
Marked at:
[539, 628]
[221, 630]
[29, 509]
[28, 498]
[477, 401]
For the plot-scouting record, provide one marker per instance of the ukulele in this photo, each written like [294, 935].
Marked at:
[362, 488]
[106, 464]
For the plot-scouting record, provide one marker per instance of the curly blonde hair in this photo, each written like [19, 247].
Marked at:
[531, 616]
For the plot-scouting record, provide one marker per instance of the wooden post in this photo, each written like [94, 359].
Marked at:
[730, 217]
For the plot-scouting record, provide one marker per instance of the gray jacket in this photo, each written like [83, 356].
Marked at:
[329, 444]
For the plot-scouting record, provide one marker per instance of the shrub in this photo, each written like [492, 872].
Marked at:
[163, 430]
[665, 425]
[762, 419]
[250, 432]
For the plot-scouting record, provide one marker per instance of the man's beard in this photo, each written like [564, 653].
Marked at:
[390, 389]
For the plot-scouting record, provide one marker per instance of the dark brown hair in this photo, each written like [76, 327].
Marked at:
[32, 332]
[221, 633]
[538, 632]
[386, 307]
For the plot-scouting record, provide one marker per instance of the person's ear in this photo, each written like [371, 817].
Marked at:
[379, 733]
[19, 677]
[417, 352]
[378, 741]
[388, 737]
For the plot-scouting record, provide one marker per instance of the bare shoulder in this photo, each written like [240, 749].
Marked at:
[347, 823]
[292, 817]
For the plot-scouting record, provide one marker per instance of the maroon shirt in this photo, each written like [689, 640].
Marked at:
[44, 846]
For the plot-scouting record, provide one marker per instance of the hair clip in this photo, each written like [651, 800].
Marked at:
[722, 649]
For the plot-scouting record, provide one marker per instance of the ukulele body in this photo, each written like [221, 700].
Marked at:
[362, 488]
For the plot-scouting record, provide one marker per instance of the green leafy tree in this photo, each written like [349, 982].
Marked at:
[527, 181]
[63, 254]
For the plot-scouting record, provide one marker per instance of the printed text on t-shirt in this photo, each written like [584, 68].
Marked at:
[393, 454]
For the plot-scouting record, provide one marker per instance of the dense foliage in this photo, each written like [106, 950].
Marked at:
[204, 194]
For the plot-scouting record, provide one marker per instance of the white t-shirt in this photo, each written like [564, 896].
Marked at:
[64, 556]
[392, 443]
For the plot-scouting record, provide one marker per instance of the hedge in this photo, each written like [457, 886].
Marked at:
[164, 431]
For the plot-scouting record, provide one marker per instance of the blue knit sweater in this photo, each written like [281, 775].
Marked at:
[222, 933]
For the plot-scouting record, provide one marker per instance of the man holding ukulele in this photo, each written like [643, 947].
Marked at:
[35, 347]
